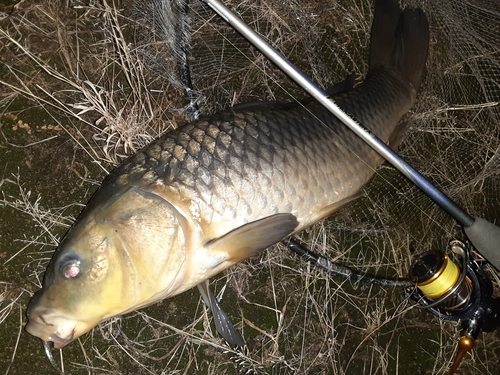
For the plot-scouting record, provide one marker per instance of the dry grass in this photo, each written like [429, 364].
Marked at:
[83, 67]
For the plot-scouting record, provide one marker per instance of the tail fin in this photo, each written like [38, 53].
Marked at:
[400, 39]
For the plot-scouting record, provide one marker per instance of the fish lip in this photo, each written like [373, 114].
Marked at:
[39, 327]
[60, 342]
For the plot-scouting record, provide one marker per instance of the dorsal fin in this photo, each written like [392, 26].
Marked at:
[340, 87]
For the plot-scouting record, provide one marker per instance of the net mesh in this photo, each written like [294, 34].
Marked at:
[101, 78]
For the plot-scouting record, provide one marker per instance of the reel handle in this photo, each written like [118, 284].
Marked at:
[465, 345]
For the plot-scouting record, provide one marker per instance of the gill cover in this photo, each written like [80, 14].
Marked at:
[115, 259]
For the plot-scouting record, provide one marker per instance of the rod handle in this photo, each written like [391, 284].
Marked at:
[485, 237]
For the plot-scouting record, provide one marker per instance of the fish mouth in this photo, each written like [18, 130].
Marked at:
[60, 342]
[60, 334]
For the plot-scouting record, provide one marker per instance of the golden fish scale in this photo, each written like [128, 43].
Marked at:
[239, 166]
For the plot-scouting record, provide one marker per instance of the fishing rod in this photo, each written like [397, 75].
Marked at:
[440, 286]
[484, 235]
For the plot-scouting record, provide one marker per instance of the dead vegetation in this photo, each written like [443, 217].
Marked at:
[80, 67]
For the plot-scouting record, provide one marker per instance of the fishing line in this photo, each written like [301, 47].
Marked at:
[484, 235]
[293, 244]
[299, 102]
[435, 276]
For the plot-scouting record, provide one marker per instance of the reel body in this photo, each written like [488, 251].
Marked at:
[456, 293]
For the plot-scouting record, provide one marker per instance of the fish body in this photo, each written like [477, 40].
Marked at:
[219, 190]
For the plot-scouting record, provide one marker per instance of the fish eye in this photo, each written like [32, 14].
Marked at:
[70, 267]
[71, 271]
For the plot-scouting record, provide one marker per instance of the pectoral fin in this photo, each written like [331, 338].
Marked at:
[249, 239]
[222, 323]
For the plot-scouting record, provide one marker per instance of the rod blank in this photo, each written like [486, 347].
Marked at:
[484, 235]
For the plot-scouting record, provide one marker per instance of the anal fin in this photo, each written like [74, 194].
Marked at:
[222, 323]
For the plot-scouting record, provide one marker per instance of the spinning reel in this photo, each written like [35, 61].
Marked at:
[438, 284]
[452, 292]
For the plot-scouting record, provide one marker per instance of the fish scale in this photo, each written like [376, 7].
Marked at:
[252, 163]
[219, 190]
